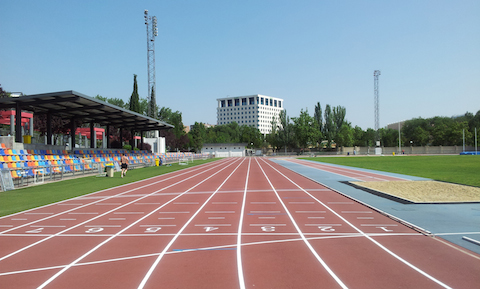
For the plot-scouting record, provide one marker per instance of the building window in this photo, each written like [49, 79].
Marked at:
[275, 103]
[222, 103]
[271, 102]
[251, 100]
[261, 100]
[237, 102]
[229, 102]
[244, 101]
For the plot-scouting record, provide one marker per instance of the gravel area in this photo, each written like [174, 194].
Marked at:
[425, 191]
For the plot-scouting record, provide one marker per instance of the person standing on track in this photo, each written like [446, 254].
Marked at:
[124, 162]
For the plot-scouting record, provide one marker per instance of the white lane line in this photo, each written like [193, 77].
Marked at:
[132, 224]
[18, 219]
[324, 225]
[108, 204]
[68, 219]
[96, 217]
[77, 213]
[356, 212]
[310, 212]
[102, 226]
[241, 278]
[316, 217]
[266, 218]
[348, 235]
[322, 262]
[70, 204]
[378, 225]
[129, 213]
[269, 225]
[155, 264]
[147, 203]
[186, 203]
[365, 218]
[364, 234]
[263, 203]
[148, 226]
[264, 212]
[301, 203]
[216, 218]
[340, 203]
[174, 212]
[117, 219]
[219, 212]
[46, 226]
[224, 203]
[103, 198]
[167, 218]
[38, 213]
[213, 225]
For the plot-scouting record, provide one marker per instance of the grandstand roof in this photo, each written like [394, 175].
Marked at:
[68, 104]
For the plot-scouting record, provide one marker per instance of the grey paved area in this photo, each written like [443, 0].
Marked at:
[449, 221]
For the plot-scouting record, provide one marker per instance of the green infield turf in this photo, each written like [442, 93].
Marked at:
[454, 169]
[35, 196]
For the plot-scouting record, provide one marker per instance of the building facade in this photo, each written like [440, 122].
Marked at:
[253, 110]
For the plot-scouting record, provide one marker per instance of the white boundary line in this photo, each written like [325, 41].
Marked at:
[241, 279]
[322, 262]
[129, 226]
[159, 258]
[367, 236]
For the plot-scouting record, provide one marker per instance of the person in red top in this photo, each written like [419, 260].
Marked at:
[124, 162]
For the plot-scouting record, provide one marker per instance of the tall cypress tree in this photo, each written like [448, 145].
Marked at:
[135, 99]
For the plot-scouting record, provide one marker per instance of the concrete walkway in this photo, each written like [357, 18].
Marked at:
[449, 221]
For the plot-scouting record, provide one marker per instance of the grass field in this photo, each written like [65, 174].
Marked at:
[454, 169]
[35, 196]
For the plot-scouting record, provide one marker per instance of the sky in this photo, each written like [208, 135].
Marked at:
[304, 51]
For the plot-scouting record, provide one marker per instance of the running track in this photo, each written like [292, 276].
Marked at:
[232, 223]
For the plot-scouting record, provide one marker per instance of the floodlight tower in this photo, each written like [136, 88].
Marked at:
[376, 73]
[152, 32]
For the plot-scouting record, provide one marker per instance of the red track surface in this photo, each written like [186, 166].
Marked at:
[234, 223]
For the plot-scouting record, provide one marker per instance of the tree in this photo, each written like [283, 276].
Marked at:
[197, 135]
[317, 115]
[3, 93]
[344, 136]
[305, 130]
[152, 105]
[339, 113]
[134, 98]
[273, 137]
[329, 126]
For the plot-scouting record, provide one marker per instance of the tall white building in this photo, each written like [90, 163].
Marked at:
[252, 110]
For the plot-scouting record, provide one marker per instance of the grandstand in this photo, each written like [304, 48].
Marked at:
[27, 166]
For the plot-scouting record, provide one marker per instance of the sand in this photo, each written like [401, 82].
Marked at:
[425, 191]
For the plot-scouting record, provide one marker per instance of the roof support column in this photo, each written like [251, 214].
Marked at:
[132, 140]
[18, 123]
[49, 128]
[72, 134]
[93, 136]
[121, 138]
[141, 140]
[107, 138]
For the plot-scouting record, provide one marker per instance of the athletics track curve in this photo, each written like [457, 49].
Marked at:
[232, 223]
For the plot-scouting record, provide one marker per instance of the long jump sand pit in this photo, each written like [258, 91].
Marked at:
[424, 191]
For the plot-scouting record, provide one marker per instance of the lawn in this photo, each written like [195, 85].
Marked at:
[35, 196]
[454, 169]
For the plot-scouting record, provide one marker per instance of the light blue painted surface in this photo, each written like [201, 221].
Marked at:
[455, 220]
